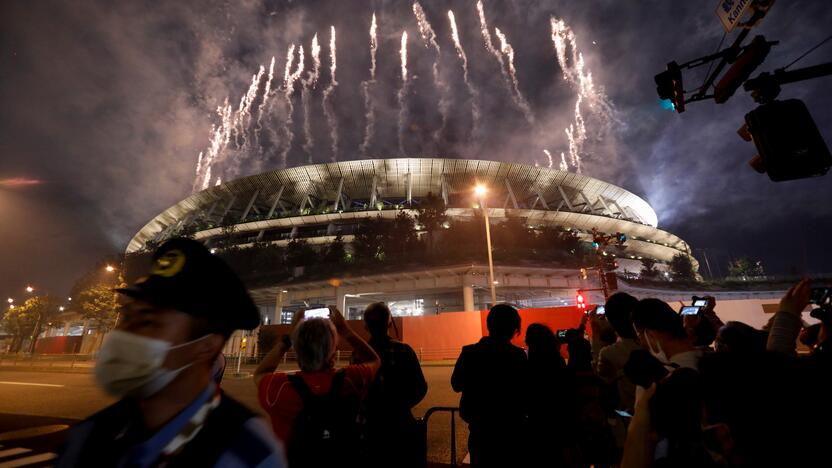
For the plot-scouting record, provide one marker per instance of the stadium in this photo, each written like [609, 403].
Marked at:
[320, 203]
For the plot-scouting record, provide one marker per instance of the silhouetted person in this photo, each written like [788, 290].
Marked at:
[551, 395]
[492, 376]
[391, 431]
[612, 358]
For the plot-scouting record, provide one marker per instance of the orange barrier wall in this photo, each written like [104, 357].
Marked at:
[59, 345]
[441, 336]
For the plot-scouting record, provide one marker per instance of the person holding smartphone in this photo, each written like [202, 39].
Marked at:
[315, 409]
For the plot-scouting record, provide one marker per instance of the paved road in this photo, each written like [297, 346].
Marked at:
[49, 401]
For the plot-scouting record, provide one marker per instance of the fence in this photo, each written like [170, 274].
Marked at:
[426, 418]
[70, 361]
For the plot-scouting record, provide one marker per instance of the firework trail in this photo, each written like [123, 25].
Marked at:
[308, 84]
[251, 95]
[475, 108]
[429, 38]
[563, 165]
[403, 94]
[548, 155]
[329, 110]
[289, 80]
[243, 117]
[218, 182]
[489, 45]
[517, 96]
[369, 106]
[220, 136]
[266, 92]
[571, 62]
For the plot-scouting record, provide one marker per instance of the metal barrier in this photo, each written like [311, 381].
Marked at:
[451, 409]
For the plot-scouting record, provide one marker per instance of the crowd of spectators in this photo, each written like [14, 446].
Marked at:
[637, 386]
[641, 386]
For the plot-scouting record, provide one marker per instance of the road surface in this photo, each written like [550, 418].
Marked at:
[36, 407]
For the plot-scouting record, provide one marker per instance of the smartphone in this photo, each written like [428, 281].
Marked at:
[600, 310]
[322, 312]
[690, 310]
[699, 302]
[820, 295]
[562, 334]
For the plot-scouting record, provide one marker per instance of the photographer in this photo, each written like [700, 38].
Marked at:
[661, 332]
[704, 326]
[611, 359]
[315, 411]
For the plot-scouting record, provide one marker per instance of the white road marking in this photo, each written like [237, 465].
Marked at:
[13, 451]
[32, 384]
[39, 458]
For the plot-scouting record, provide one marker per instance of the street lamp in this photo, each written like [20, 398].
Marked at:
[61, 308]
[9, 300]
[29, 289]
[480, 191]
[110, 269]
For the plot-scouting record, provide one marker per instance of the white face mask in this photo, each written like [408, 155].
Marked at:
[130, 365]
[657, 352]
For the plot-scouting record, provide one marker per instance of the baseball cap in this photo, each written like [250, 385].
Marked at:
[186, 276]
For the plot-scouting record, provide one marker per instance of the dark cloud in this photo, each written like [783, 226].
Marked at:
[109, 103]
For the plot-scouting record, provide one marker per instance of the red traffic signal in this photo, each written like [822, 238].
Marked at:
[580, 302]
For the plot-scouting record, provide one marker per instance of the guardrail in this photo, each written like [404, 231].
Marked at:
[47, 360]
[426, 418]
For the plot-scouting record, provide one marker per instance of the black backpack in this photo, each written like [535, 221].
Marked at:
[326, 430]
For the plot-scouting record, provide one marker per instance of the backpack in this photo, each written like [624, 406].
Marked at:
[326, 430]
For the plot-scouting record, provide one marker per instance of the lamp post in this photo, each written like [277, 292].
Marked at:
[480, 190]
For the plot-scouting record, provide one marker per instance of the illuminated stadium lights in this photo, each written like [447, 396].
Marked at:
[317, 202]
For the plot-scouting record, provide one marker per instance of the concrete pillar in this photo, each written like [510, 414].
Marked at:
[468, 297]
[341, 301]
[278, 309]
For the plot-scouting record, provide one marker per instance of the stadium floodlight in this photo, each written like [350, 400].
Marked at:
[480, 190]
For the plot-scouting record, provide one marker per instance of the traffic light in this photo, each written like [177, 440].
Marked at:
[669, 86]
[746, 62]
[788, 141]
[580, 302]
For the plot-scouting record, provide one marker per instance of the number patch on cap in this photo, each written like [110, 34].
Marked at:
[169, 263]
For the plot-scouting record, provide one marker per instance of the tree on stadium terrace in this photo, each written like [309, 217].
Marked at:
[19, 322]
[681, 268]
[336, 252]
[300, 254]
[648, 268]
[430, 215]
[745, 268]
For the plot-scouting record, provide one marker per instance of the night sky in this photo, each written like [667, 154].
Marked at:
[106, 105]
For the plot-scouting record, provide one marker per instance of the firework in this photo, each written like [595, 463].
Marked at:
[403, 93]
[517, 96]
[308, 84]
[329, 109]
[369, 106]
[460, 52]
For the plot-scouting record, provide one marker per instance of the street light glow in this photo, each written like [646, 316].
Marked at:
[61, 308]
[480, 190]
[109, 269]
[9, 300]
[29, 289]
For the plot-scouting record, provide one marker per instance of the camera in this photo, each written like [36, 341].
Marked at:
[699, 301]
[562, 334]
[600, 310]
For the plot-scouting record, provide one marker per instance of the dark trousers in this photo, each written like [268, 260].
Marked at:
[394, 443]
[497, 446]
